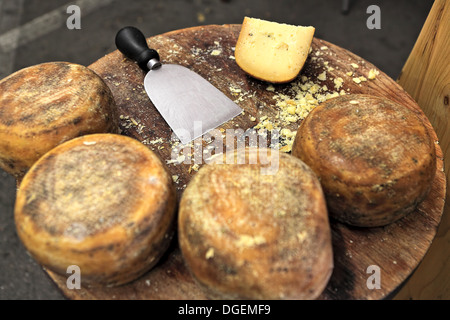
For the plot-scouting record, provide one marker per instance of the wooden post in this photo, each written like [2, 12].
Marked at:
[426, 77]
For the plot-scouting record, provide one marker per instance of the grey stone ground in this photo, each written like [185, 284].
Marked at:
[35, 31]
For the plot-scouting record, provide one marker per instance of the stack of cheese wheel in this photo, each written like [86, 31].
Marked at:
[104, 203]
[45, 105]
[375, 158]
[256, 228]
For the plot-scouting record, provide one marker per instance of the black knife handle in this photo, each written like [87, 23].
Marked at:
[132, 43]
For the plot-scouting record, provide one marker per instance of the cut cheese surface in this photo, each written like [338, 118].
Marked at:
[272, 51]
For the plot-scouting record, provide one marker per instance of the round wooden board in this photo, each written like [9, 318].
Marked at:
[396, 249]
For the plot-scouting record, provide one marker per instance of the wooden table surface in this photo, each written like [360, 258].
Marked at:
[396, 249]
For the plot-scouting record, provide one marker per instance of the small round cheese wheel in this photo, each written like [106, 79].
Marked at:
[375, 158]
[256, 228]
[47, 104]
[102, 202]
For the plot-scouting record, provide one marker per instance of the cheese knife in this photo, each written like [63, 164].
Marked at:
[189, 104]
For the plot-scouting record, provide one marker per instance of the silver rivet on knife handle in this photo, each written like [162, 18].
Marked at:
[154, 64]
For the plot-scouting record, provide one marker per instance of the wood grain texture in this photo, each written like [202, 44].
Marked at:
[397, 249]
[426, 77]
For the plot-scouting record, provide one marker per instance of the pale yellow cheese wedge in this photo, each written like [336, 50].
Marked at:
[272, 51]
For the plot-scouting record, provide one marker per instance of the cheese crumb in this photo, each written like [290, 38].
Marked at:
[291, 110]
[250, 241]
[235, 90]
[338, 83]
[160, 140]
[302, 236]
[354, 65]
[373, 74]
[209, 254]
[195, 167]
[178, 160]
[322, 76]
[216, 52]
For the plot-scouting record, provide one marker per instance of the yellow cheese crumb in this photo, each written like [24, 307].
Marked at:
[354, 65]
[178, 160]
[338, 83]
[209, 254]
[160, 140]
[235, 90]
[373, 74]
[250, 241]
[315, 88]
[303, 95]
[291, 110]
[269, 126]
[270, 88]
[301, 236]
[349, 73]
[357, 80]
[322, 76]
[216, 52]
[195, 167]
[291, 119]
[362, 79]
